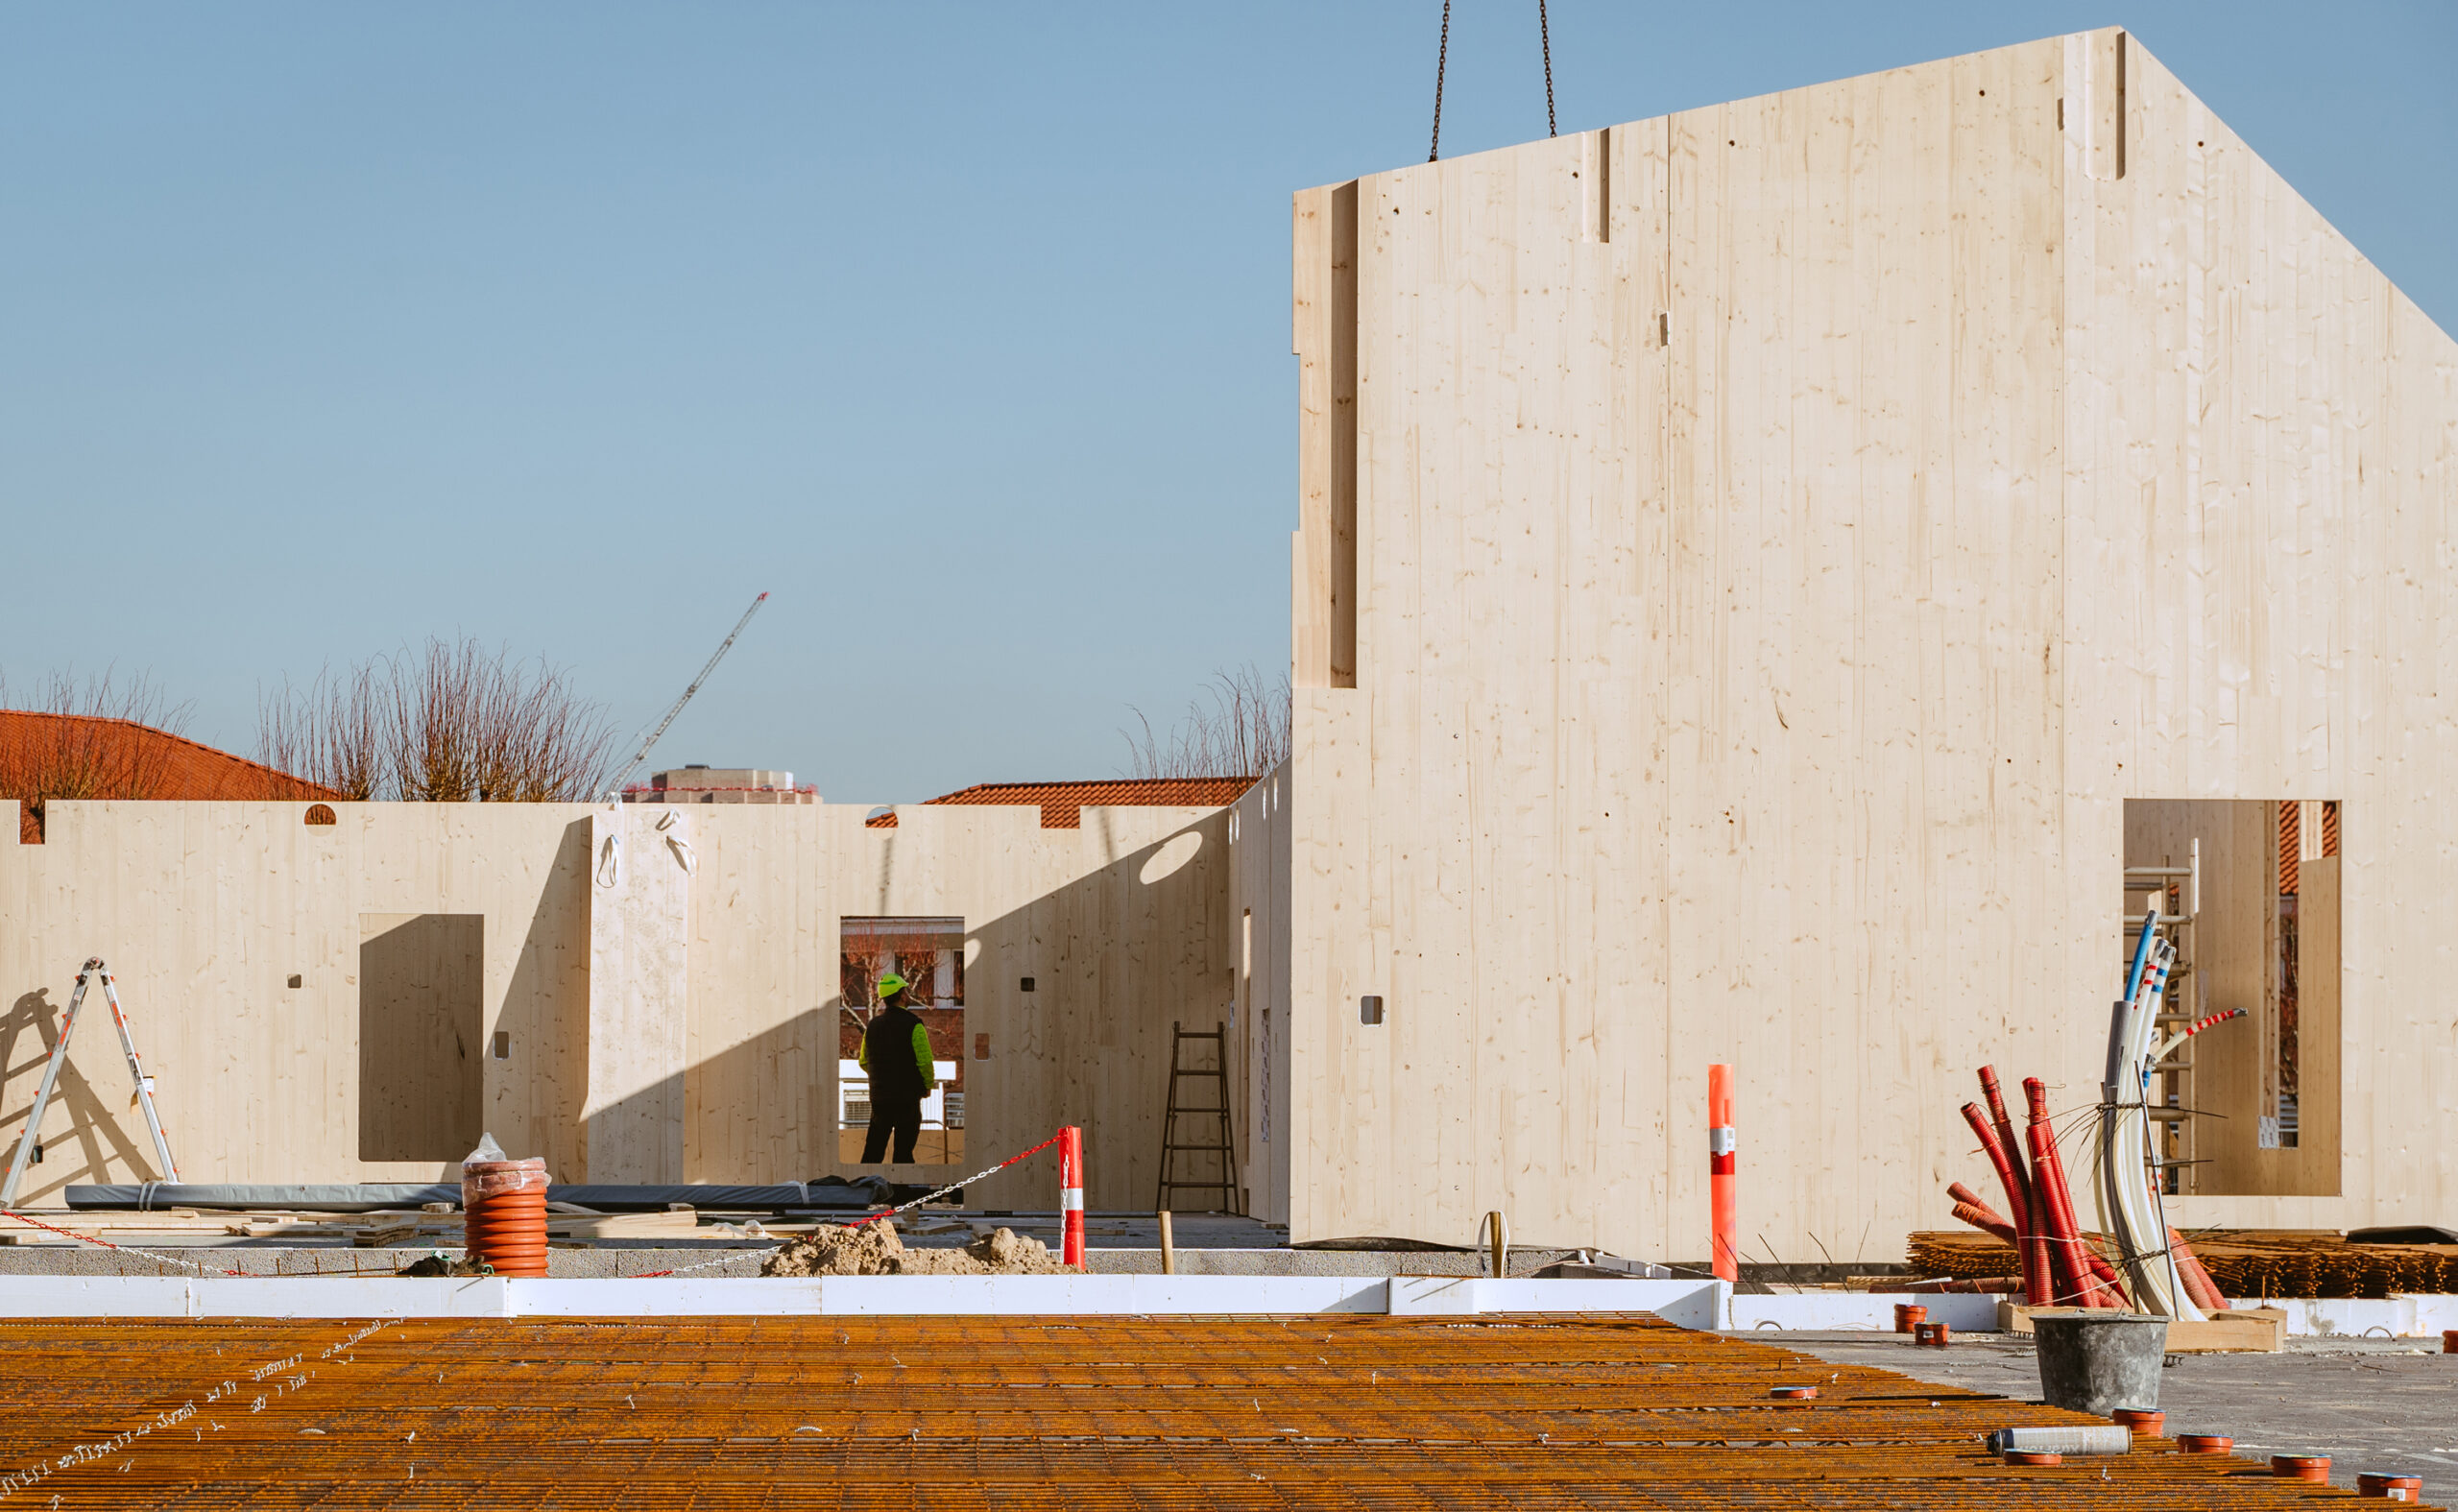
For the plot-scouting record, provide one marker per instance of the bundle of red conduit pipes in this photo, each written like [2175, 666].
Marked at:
[2058, 1270]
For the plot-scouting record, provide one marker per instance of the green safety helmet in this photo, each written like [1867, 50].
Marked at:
[890, 985]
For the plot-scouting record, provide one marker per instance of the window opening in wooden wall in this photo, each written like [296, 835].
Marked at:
[929, 954]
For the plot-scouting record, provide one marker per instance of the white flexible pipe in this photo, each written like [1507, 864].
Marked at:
[2129, 1202]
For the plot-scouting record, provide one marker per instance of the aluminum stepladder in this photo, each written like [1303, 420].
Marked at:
[93, 969]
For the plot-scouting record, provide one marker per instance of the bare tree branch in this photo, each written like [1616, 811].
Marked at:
[450, 722]
[1237, 727]
[78, 754]
[331, 732]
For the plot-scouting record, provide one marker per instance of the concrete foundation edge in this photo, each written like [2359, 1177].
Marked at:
[1690, 1304]
[2419, 1316]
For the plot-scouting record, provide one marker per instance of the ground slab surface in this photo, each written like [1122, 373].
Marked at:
[2387, 1407]
[1315, 1411]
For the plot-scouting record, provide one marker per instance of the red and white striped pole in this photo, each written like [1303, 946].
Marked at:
[1719, 1171]
[1071, 1196]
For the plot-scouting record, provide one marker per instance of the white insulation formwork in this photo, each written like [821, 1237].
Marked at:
[1692, 1304]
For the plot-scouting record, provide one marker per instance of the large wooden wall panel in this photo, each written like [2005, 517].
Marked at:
[205, 910]
[1770, 589]
[761, 1092]
[637, 1052]
[1260, 913]
[2268, 470]
[1122, 923]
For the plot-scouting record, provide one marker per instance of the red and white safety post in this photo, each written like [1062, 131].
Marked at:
[1721, 1146]
[1071, 1196]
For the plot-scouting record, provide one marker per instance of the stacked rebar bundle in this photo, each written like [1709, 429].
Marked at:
[2241, 1262]
[2257, 1262]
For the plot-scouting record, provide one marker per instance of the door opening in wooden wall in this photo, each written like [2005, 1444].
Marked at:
[2249, 892]
[929, 954]
[2308, 833]
[422, 1033]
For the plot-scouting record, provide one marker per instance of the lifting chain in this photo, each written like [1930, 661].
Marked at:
[1442, 62]
[1544, 36]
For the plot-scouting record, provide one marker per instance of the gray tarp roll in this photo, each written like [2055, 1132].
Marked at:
[374, 1196]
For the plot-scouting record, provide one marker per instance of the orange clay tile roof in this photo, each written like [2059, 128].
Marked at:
[65, 755]
[1062, 803]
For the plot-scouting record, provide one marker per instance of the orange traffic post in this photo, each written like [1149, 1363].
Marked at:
[1719, 1171]
[1071, 1196]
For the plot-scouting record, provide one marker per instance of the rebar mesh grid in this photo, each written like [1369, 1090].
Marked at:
[1315, 1412]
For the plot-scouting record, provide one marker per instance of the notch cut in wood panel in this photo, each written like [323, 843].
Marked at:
[1596, 185]
[1323, 646]
[2092, 111]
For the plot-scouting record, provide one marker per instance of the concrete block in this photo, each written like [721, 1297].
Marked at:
[1112, 1295]
[1689, 1303]
[663, 1296]
[1844, 1311]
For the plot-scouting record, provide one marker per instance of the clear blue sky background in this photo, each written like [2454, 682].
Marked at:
[964, 328]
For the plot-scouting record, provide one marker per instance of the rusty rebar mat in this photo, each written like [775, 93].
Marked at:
[953, 1412]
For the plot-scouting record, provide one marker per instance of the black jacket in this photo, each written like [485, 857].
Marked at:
[891, 1057]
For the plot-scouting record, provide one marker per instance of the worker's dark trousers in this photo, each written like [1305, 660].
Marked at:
[904, 1116]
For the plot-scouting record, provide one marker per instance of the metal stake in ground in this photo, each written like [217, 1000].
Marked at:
[93, 968]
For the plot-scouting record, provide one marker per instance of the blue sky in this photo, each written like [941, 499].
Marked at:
[963, 329]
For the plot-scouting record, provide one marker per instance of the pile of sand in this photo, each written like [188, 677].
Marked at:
[874, 1250]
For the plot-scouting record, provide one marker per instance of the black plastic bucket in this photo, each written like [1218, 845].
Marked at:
[2096, 1363]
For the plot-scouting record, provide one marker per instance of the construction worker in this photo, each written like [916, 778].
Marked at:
[896, 1056]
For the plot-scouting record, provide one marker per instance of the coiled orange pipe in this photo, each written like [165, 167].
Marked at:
[503, 1212]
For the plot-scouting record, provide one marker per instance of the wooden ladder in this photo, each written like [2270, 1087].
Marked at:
[1223, 1149]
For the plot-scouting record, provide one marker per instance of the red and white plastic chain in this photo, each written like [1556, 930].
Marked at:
[884, 1212]
[87, 1238]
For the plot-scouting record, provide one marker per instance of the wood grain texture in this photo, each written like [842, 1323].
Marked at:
[204, 910]
[1323, 338]
[640, 991]
[422, 1003]
[1258, 907]
[1765, 612]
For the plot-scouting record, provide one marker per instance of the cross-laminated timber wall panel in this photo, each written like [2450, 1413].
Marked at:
[1259, 912]
[727, 1047]
[1121, 924]
[1784, 533]
[205, 911]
